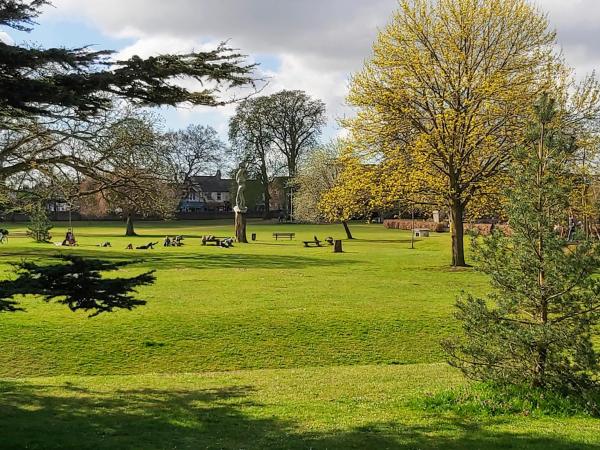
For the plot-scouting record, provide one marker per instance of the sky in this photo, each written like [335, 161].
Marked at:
[311, 45]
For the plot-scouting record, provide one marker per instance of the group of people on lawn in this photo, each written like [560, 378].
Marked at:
[175, 241]
[221, 242]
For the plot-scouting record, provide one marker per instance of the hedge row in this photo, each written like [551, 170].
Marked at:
[407, 224]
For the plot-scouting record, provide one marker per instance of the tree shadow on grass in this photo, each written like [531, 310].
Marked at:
[156, 259]
[73, 417]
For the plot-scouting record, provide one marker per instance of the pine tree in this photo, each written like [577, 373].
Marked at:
[39, 224]
[77, 284]
[46, 82]
[534, 328]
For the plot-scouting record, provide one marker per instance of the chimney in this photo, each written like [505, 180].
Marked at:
[218, 175]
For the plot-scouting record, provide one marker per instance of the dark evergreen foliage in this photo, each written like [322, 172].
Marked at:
[39, 224]
[38, 81]
[75, 282]
[535, 328]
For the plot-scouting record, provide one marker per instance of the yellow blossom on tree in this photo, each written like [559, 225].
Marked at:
[446, 93]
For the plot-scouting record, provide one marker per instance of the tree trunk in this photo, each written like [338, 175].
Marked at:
[458, 234]
[347, 229]
[337, 246]
[129, 231]
[264, 178]
[539, 371]
[267, 214]
[240, 228]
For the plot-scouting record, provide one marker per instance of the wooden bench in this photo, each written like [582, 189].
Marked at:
[290, 236]
[212, 239]
[315, 242]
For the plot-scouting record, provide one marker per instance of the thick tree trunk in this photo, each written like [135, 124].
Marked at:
[129, 230]
[240, 228]
[347, 229]
[337, 246]
[458, 235]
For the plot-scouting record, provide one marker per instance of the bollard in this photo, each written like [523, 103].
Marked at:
[337, 246]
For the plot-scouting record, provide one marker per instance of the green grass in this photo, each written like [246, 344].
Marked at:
[266, 345]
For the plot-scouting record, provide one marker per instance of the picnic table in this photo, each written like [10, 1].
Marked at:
[315, 242]
[290, 236]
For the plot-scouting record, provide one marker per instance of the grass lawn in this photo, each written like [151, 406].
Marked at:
[265, 345]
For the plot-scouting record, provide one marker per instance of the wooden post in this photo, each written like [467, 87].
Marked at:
[240, 227]
[412, 236]
[337, 246]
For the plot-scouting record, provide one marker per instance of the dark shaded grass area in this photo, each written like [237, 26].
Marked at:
[33, 416]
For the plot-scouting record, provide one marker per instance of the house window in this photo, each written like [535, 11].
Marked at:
[218, 196]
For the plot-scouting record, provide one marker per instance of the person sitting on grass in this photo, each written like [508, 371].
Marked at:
[227, 243]
[69, 239]
[167, 242]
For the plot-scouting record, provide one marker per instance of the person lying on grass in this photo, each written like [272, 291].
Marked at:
[227, 243]
[147, 246]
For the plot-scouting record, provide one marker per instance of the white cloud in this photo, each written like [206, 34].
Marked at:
[5, 37]
[340, 30]
[318, 43]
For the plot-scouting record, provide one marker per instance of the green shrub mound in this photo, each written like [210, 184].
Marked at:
[487, 399]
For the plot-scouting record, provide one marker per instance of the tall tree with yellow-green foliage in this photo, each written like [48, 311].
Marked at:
[446, 92]
[327, 189]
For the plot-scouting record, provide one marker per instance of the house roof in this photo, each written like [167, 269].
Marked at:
[212, 183]
[215, 183]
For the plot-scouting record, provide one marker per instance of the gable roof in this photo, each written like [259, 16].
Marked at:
[212, 183]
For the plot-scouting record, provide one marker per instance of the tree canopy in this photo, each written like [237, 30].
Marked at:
[193, 151]
[295, 122]
[444, 96]
[140, 179]
[252, 142]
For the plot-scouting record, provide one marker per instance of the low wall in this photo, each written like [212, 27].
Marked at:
[484, 229]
